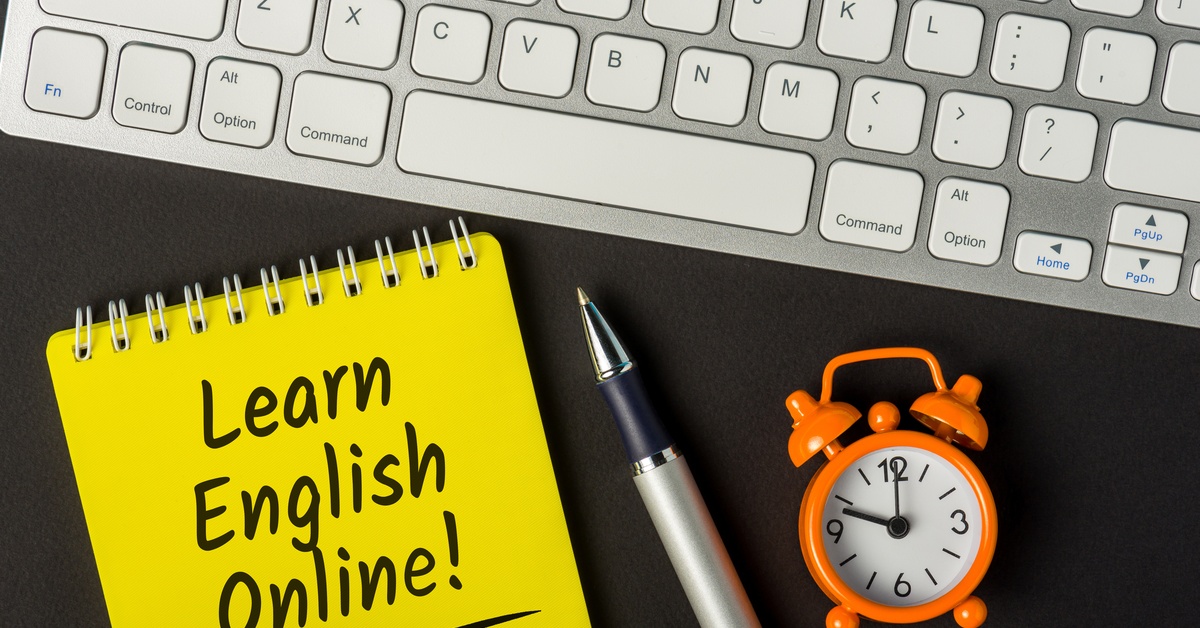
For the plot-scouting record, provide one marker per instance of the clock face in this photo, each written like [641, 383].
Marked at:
[901, 526]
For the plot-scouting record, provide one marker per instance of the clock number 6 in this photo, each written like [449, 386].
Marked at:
[836, 534]
[962, 518]
[901, 581]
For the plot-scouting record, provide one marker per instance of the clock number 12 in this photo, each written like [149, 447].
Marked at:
[898, 465]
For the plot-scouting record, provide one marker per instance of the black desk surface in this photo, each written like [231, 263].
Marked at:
[1095, 420]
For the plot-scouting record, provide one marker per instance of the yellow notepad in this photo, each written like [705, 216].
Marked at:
[371, 460]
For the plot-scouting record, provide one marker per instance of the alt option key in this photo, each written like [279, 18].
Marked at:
[968, 221]
[240, 102]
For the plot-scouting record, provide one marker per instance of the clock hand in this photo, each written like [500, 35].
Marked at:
[896, 481]
[865, 517]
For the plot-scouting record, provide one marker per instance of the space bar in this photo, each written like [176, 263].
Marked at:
[600, 161]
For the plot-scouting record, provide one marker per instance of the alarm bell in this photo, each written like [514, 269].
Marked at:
[953, 415]
[816, 426]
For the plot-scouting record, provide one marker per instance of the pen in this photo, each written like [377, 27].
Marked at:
[665, 483]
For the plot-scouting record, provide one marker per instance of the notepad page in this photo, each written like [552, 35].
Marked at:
[374, 460]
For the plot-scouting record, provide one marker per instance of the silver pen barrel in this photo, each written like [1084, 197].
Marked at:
[691, 540]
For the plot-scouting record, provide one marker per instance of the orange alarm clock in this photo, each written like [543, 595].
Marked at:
[900, 525]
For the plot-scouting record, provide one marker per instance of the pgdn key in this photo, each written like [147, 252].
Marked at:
[1145, 271]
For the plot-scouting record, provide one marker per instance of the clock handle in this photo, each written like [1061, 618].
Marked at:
[888, 353]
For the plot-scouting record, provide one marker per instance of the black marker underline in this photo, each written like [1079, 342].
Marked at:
[484, 623]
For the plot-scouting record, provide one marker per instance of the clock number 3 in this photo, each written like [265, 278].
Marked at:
[962, 518]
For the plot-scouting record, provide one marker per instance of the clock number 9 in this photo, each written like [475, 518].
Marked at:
[962, 518]
[901, 581]
[836, 534]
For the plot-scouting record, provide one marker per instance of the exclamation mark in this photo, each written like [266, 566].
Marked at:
[452, 539]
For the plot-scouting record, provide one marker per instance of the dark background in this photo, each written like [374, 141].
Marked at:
[1095, 420]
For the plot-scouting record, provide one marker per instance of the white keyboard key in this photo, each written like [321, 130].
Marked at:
[1123, 8]
[1154, 159]
[364, 32]
[153, 88]
[1144, 271]
[711, 86]
[944, 37]
[1030, 52]
[972, 129]
[778, 23]
[338, 118]
[692, 16]
[869, 205]
[625, 72]
[1179, 12]
[1196, 281]
[968, 221]
[520, 148]
[1116, 66]
[607, 9]
[538, 58]
[1052, 255]
[66, 71]
[857, 29]
[1058, 143]
[527, 3]
[451, 44]
[279, 25]
[1148, 228]
[241, 100]
[885, 115]
[1181, 92]
[198, 19]
[798, 101]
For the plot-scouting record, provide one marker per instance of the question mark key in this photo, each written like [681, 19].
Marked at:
[1067, 153]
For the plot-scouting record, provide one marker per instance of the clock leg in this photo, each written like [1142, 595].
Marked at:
[971, 613]
[841, 617]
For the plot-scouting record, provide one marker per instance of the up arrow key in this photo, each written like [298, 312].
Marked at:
[1057, 248]
[1150, 222]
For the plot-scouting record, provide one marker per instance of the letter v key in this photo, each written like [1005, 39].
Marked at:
[525, 38]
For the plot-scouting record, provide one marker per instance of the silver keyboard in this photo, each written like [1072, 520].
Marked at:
[1045, 151]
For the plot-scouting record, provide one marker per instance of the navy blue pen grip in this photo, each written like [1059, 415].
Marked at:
[641, 430]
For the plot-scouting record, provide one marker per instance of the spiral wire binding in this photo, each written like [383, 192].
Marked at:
[198, 324]
[120, 343]
[428, 269]
[352, 288]
[160, 333]
[315, 292]
[467, 261]
[238, 315]
[274, 306]
[83, 351]
[391, 278]
[156, 304]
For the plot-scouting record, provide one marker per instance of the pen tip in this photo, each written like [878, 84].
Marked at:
[583, 297]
